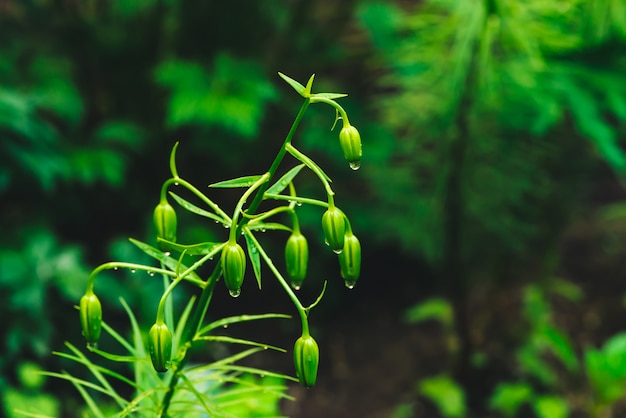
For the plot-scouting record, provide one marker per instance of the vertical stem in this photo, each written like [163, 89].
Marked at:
[454, 272]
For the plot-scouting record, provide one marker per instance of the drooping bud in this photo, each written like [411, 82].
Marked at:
[165, 222]
[233, 267]
[350, 141]
[296, 258]
[350, 260]
[334, 227]
[160, 346]
[306, 356]
[91, 317]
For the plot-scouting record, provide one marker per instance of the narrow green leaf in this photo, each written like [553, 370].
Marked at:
[309, 85]
[253, 254]
[169, 262]
[299, 88]
[284, 181]
[232, 340]
[329, 96]
[245, 181]
[195, 209]
[193, 249]
[270, 226]
[238, 319]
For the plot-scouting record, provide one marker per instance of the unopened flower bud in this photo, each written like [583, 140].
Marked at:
[350, 260]
[306, 356]
[91, 317]
[334, 227]
[165, 222]
[233, 267]
[296, 258]
[350, 141]
[160, 346]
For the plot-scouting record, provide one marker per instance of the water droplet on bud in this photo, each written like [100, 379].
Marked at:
[338, 251]
[355, 165]
[296, 286]
[133, 270]
[350, 284]
[167, 253]
[235, 293]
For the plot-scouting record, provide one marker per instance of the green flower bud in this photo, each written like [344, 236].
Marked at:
[160, 346]
[350, 260]
[296, 258]
[334, 227]
[306, 357]
[91, 317]
[233, 267]
[165, 222]
[350, 141]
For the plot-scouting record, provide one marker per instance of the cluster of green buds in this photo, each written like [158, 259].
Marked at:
[306, 357]
[246, 220]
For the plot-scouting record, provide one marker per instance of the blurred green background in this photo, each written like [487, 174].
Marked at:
[490, 203]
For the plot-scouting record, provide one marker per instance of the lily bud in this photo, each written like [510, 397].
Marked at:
[296, 258]
[306, 356]
[350, 141]
[334, 227]
[165, 222]
[160, 346]
[350, 260]
[233, 267]
[91, 317]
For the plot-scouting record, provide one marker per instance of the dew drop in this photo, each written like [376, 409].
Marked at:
[225, 326]
[298, 203]
[235, 293]
[176, 184]
[350, 284]
[265, 347]
[296, 286]
[151, 273]
[355, 165]
[338, 251]
[226, 226]
[167, 253]
[133, 270]
[115, 268]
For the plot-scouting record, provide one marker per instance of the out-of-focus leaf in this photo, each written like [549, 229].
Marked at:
[507, 397]
[445, 393]
[431, 309]
[233, 95]
[550, 407]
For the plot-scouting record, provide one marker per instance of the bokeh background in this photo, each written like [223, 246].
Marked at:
[490, 203]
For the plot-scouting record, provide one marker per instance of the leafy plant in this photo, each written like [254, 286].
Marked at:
[164, 382]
